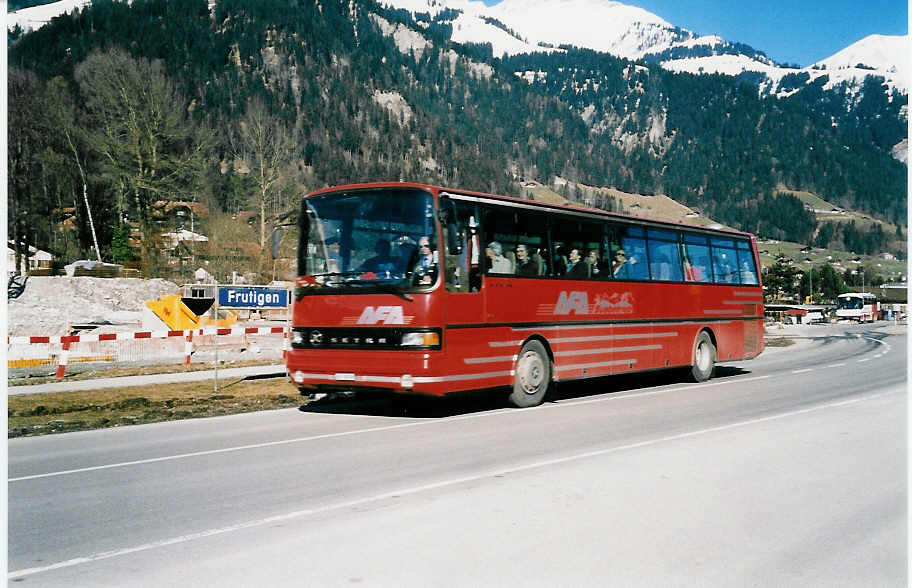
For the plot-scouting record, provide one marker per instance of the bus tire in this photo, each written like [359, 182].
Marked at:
[532, 377]
[704, 358]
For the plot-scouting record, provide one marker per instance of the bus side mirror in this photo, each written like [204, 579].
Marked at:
[276, 238]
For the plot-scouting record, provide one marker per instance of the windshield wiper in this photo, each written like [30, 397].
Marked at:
[337, 274]
[387, 287]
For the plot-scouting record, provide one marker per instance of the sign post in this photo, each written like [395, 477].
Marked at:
[216, 343]
[247, 297]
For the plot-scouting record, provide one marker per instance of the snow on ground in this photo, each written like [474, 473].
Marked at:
[37, 16]
[49, 305]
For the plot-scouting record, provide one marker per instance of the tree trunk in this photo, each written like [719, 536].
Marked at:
[263, 218]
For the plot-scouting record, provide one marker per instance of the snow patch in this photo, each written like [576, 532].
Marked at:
[36, 17]
[49, 305]
[901, 151]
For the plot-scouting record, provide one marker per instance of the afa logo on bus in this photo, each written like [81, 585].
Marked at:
[578, 302]
[388, 315]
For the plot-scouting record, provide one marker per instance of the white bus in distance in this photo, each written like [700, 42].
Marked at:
[857, 306]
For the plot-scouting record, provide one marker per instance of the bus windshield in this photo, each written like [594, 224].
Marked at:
[366, 241]
[850, 302]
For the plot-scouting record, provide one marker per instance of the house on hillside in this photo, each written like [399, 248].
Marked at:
[36, 259]
[179, 214]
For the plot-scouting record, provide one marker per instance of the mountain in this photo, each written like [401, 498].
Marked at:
[838, 84]
[368, 92]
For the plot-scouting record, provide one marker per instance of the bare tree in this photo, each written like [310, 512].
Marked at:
[263, 143]
[25, 143]
[61, 112]
[142, 131]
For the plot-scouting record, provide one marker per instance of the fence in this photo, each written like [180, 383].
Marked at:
[146, 347]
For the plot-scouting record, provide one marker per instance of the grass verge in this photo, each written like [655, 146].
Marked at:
[63, 412]
[115, 372]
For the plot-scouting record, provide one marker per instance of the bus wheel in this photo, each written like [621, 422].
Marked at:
[704, 358]
[533, 376]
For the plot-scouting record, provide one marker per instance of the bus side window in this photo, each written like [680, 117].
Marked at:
[725, 261]
[573, 239]
[746, 263]
[532, 237]
[664, 255]
[629, 261]
[499, 230]
[461, 269]
[697, 261]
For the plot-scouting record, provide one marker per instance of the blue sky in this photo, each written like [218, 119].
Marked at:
[788, 31]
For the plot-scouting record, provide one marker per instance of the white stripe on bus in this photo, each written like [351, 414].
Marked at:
[606, 350]
[416, 379]
[578, 366]
[471, 360]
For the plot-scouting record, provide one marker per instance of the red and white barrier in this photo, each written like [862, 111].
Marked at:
[62, 361]
[65, 341]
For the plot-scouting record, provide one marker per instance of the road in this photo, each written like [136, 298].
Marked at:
[789, 470]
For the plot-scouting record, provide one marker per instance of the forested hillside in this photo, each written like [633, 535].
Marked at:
[250, 104]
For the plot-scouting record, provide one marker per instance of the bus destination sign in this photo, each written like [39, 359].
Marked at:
[252, 297]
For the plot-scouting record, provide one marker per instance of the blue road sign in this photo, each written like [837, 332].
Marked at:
[252, 297]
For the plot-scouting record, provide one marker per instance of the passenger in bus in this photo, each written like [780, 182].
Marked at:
[619, 266]
[577, 269]
[724, 271]
[748, 276]
[524, 264]
[692, 273]
[427, 261]
[498, 263]
[383, 261]
[592, 260]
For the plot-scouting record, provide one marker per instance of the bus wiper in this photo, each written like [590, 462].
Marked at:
[395, 289]
[389, 288]
[338, 274]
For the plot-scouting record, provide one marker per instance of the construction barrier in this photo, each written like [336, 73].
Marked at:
[32, 351]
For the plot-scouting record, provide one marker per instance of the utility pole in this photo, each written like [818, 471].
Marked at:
[811, 282]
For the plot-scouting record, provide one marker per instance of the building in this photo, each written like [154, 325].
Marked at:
[37, 259]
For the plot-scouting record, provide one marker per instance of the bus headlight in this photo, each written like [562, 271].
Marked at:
[420, 339]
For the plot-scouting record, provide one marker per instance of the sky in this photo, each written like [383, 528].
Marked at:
[798, 32]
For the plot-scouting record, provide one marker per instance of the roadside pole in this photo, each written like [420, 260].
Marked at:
[216, 336]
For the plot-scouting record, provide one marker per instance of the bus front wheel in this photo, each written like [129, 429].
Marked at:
[532, 376]
[704, 359]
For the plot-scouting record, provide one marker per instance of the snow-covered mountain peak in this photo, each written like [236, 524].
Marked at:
[602, 25]
[880, 52]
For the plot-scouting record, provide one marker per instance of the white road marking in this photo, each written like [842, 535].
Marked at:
[385, 428]
[426, 487]
[832, 365]
[802, 371]
[366, 430]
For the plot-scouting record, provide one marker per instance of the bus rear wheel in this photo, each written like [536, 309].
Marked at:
[704, 359]
[532, 376]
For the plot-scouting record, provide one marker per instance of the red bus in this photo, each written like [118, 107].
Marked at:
[421, 289]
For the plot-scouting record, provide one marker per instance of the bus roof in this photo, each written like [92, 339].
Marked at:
[857, 295]
[530, 203]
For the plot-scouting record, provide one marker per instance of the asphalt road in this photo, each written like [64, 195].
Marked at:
[789, 470]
